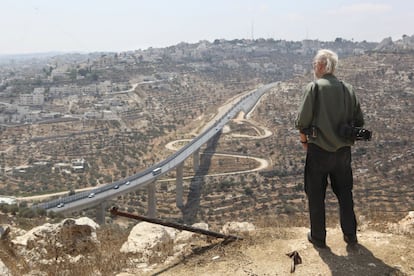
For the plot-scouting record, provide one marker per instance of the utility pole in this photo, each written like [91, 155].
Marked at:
[252, 29]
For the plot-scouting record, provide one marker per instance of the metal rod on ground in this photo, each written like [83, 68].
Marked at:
[114, 211]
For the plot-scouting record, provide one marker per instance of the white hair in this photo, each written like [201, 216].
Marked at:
[328, 58]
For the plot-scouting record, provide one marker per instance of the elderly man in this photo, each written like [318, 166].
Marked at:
[328, 103]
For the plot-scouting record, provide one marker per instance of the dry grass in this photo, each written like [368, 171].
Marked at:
[105, 259]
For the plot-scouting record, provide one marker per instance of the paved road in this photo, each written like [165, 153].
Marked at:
[85, 199]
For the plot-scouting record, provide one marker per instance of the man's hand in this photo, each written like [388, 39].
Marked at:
[305, 146]
[304, 140]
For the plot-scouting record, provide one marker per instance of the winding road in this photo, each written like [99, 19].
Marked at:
[212, 126]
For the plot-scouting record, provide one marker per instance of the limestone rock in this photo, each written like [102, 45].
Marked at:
[404, 226]
[238, 228]
[48, 242]
[3, 269]
[151, 243]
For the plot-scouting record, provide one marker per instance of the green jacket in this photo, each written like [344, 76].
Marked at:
[335, 105]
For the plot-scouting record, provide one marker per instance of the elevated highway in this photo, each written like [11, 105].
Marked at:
[146, 178]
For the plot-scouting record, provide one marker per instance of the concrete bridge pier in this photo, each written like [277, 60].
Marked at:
[196, 160]
[152, 201]
[179, 186]
[100, 213]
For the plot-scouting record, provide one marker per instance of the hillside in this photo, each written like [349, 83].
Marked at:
[383, 167]
[175, 98]
[180, 95]
[80, 247]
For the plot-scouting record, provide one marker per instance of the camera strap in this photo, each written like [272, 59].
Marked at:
[315, 103]
[348, 107]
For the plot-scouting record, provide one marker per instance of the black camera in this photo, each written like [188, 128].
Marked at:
[362, 134]
[354, 133]
[311, 131]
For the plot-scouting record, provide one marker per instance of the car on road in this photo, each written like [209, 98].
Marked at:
[91, 195]
[60, 205]
[156, 171]
[127, 183]
[116, 186]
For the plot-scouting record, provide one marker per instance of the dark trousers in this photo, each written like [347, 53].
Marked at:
[337, 165]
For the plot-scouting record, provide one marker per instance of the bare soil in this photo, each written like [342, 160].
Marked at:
[265, 253]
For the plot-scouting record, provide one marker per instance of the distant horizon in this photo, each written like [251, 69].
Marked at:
[88, 26]
[51, 52]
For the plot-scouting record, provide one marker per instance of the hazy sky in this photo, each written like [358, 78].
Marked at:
[28, 26]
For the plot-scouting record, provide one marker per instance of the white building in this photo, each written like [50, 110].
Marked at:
[8, 200]
[39, 96]
[26, 99]
[78, 165]
[36, 98]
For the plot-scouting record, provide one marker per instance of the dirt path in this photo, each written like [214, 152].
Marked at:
[264, 254]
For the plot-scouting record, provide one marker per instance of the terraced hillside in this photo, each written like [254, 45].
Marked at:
[383, 167]
[136, 139]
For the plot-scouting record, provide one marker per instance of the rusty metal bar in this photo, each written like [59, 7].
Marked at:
[114, 211]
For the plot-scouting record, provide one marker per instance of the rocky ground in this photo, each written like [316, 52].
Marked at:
[265, 253]
[81, 247]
